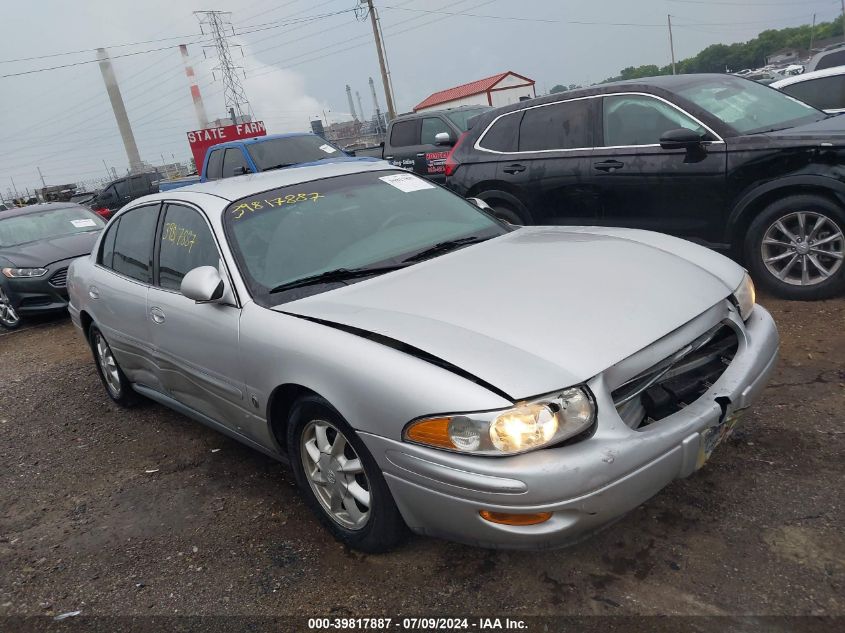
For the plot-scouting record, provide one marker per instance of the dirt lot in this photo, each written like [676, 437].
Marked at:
[146, 512]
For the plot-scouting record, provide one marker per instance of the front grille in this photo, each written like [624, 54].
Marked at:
[59, 278]
[677, 381]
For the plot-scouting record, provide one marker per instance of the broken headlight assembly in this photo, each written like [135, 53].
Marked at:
[526, 426]
[745, 296]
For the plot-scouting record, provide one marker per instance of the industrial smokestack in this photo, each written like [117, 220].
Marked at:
[116, 99]
[351, 105]
[360, 107]
[379, 122]
[199, 107]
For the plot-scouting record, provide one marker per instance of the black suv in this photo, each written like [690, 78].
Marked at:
[713, 158]
[420, 141]
[123, 191]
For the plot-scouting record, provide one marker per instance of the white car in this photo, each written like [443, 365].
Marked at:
[823, 89]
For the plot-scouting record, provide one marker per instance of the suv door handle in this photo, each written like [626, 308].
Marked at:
[513, 169]
[93, 292]
[609, 165]
[157, 314]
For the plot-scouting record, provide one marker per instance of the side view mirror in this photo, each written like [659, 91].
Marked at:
[681, 138]
[443, 138]
[203, 284]
[381, 144]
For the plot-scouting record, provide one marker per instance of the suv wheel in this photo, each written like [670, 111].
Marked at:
[795, 248]
[508, 213]
[114, 380]
[340, 480]
[9, 318]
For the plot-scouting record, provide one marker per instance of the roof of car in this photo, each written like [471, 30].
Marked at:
[261, 139]
[796, 79]
[241, 186]
[37, 208]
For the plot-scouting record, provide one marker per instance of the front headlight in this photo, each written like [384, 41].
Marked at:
[523, 427]
[13, 273]
[745, 296]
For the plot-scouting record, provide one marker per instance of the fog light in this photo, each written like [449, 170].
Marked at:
[510, 518]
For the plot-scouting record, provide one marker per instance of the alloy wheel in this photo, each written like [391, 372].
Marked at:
[336, 474]
[8, 316]
[803, 248]
[108, 365]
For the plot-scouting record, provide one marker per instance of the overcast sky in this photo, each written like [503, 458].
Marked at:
[61, 121]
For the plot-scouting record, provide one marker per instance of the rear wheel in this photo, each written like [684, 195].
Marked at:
[9, 317]
[509, 213]
[795, 248]
[340, 480]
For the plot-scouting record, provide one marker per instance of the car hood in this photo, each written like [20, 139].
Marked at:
[45, 252]
[537, 309]
[828, 130]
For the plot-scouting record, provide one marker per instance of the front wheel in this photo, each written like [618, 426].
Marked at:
[114, 380]
[9, 317]
[340, 480]
[795, 248]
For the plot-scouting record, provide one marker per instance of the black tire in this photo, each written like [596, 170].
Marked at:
[509, 213]
[122, 392]
[9, 317]
[384, 528]
[786, 210]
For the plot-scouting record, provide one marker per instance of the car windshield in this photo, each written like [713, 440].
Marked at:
[461, 117]
[749, 107]
[346, 223]
[290, 150]
[47, 224]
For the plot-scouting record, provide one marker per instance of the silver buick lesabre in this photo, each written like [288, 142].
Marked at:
[419, 363]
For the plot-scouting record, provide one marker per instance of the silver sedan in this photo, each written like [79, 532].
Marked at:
[419, 363]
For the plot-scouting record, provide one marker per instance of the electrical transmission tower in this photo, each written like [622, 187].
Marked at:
[218, 24]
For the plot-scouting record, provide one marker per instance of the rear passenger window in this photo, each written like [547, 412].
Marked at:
[405, 133]
[133, 244]
[504, 135]
[186, 243]
[215, 162]
[563, 125]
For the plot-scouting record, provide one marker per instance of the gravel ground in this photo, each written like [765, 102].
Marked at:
[115, 512]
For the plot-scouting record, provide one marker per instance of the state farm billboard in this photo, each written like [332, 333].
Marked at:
[201, 140]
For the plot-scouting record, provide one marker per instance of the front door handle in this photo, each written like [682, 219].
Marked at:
[157, 314]
[93, 292]
[421, 155]
[609, 165]
[514, 169]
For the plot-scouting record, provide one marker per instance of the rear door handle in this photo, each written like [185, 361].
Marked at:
[513, 169]
[609, 165]
[157, 314]
[93, 292]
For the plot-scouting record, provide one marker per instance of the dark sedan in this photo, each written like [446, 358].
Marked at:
[37, 244]
[717, 159]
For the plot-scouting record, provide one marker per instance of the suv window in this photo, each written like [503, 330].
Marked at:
[121, 187]
[564, 125]
[138, 185]
[504, 135]
[234, 163]
[186, 243]
[641, 120]
[404, 133]
[215, 162]
[825, 93]
[133, 243]
[431, 127]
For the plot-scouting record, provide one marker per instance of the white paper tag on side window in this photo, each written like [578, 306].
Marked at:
[406, 182]
[328, 149]
[83, 222]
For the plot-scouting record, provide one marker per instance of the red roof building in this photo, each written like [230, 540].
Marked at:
[498, 90]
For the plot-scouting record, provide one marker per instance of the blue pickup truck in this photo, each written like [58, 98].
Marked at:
[249, 156]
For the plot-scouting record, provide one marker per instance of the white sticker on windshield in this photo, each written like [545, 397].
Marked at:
[406, 182]
[328, 149]
[83, 222]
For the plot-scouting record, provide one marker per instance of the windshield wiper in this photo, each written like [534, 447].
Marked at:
[444, 247]
[338, 274]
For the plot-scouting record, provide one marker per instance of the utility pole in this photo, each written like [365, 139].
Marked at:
[108, 173]
[218, 23]
[14, 187]
[40, 175]
[391, 112]
[672, 42]
[812, 33]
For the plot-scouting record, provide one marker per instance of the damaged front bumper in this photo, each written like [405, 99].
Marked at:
[587, 484]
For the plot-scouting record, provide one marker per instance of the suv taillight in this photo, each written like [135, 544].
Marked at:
[451, 165]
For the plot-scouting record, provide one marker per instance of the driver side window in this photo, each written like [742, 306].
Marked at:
[641, 120]
[186, 243]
